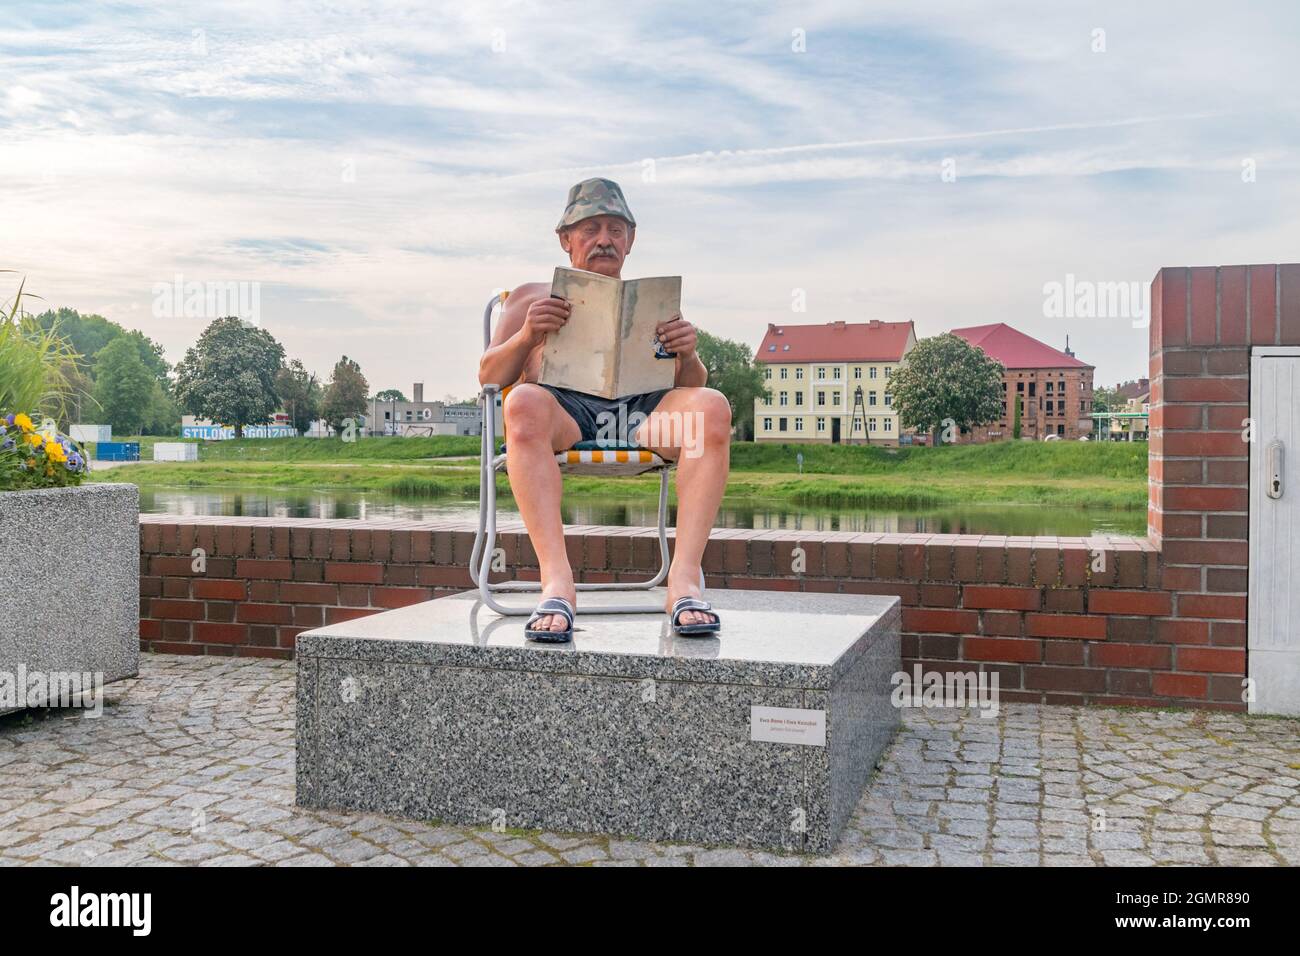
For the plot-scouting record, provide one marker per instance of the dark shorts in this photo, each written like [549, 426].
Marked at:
[621, 416]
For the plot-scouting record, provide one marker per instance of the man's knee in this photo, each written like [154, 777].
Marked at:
[716, 411]
[528, 410]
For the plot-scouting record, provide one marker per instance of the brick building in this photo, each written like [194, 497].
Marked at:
[813, 373]
[1054, 387]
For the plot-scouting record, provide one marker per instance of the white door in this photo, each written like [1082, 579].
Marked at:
[1273, 643]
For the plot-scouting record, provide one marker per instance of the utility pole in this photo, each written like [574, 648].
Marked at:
[854, 417]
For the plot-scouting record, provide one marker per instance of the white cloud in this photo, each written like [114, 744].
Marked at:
[380, 169]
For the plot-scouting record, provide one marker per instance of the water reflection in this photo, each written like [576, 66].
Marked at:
[755, 514]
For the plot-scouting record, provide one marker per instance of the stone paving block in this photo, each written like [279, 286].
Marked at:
[131, 777]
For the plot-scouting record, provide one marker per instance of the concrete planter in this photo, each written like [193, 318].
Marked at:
[69, 584]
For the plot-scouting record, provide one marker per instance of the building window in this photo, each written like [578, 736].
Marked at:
[873, 372]
[821, 371]
[782, 423]
[857, 371]
[798, 374]
[871, 399]
[871, 424]
[821, 424]
[835, 372]
[886, 425]
[1049, 386]
[785, 373]
[835, 398]
[1060, 429]
[1031, 388]
[889, 400]
[798, 398]
[767, 424]
[785, 399]
[767, 373]
[821, 398]
[1060, 407]
[798, 424]
[888, 371]
[1020, 387]
[767, 399]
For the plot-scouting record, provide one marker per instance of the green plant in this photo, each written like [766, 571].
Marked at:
[34, 455]
[34, 362]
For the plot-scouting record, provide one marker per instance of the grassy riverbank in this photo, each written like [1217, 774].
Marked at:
[1069, 474]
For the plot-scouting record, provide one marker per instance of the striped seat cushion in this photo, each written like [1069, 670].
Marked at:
[594, 461]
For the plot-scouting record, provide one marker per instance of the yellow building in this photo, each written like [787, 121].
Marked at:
[813, 374]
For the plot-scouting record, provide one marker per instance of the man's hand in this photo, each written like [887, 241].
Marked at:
[544, 316]
[678, 335]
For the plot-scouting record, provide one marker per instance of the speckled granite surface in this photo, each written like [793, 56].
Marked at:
[70, 575]
[443, 711]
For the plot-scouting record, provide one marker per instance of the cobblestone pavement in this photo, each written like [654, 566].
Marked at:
[193, 763]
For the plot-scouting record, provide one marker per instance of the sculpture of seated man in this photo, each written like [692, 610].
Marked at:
[597, 231]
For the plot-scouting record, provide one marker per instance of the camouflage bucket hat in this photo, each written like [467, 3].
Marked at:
[595, 197]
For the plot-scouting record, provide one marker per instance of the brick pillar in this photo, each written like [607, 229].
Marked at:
[1203, 322]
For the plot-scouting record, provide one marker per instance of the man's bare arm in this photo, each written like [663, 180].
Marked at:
[690, 372]
[529, 314]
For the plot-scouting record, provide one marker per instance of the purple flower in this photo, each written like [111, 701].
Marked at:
[9, 419]
[8, 445]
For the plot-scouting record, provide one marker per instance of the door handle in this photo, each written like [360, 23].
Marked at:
[1274, 461]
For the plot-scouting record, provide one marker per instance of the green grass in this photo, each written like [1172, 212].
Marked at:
[1056, 459]
[320, 449]
[1059, 474]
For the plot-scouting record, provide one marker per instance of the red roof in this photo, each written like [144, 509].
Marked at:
[1134, 389]
[873, 341]
[1014, 349]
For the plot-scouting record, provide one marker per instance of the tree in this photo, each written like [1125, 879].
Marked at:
[1107, 400]
[733, 373]
[228, 376]
[124, 386]
[301, 393]
[390, 395]
[88, 334]
[944, 378]
[162, 415]
[345, 396]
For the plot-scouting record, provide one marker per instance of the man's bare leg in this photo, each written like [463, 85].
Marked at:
[536, 428]
[701, 478]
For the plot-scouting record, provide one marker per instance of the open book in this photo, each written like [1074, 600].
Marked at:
[609, 347]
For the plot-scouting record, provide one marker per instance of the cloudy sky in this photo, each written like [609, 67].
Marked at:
[381, 167]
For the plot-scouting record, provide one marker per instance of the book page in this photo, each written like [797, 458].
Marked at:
[646, 303]
[583, 355]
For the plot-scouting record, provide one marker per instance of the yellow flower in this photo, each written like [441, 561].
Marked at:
[54, 451]
[35, 440]
[23, 422]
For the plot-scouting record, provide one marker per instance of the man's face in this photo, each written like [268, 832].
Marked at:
[598, 244]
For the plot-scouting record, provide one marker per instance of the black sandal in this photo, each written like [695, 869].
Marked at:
[688, 603]
[548, 607]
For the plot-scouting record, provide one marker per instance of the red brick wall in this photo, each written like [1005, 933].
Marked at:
[1071, 385]
[1150, 621]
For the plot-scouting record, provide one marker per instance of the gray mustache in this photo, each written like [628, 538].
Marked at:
[604, 251]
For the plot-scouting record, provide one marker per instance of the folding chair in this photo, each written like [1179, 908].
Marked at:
[585, 458]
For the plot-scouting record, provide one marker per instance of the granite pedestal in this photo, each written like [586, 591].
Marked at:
[69, 588]
[762, 737]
